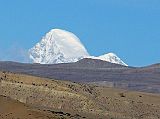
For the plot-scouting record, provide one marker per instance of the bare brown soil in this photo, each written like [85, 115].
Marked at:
[45, 98]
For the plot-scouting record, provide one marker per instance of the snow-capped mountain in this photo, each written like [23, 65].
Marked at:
[58, 46]
[110, 57]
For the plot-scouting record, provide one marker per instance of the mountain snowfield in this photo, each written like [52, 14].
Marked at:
[110, 57]
[60, 46]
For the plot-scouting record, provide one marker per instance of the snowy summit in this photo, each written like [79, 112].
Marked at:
[60, 46]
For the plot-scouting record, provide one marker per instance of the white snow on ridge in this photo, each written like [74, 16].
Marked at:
[110, 57]
[60, 46]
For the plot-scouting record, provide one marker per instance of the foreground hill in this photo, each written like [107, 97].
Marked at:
[75, 100]
[13, 109]
[146, 79]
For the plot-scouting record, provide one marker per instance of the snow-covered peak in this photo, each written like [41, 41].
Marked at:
[113, 58]
[110, 57]
[58, 46]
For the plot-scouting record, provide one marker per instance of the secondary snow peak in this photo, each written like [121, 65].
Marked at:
[113, 58]
[109, 57]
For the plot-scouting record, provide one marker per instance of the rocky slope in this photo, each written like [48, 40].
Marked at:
[87, 101]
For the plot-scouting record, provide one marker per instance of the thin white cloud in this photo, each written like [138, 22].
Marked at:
[15, 53]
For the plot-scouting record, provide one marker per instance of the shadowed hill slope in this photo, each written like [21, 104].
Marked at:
[94, 71]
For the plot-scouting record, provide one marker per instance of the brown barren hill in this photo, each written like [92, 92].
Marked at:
[12, 109]
[76, 100]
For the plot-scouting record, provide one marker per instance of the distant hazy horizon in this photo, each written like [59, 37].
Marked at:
[128, 28]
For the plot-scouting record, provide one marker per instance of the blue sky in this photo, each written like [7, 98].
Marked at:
[129, 28]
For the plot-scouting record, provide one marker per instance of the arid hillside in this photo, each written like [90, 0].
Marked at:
[13, 109]
[78, 100]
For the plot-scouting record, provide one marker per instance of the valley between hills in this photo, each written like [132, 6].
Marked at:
[29, 97]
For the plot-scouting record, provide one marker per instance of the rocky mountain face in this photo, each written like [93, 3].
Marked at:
[60, 46]
[79, 100]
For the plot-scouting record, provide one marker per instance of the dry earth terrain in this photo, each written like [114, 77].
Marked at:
[42, 98]
[12, 109]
